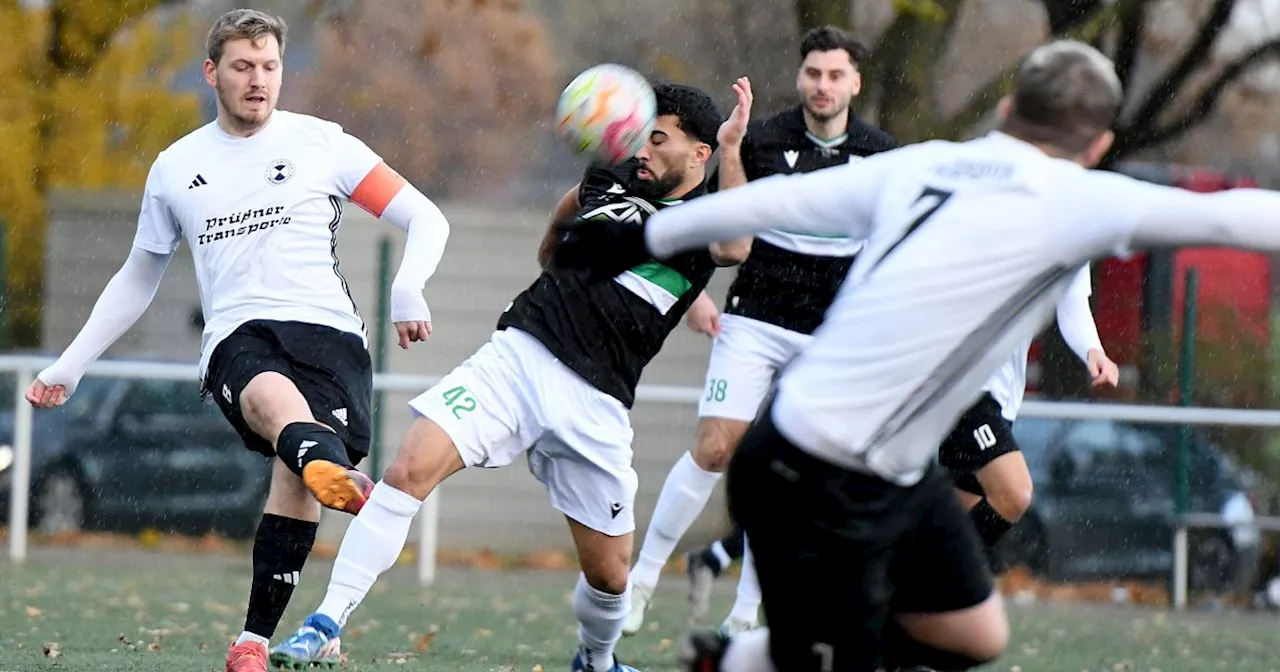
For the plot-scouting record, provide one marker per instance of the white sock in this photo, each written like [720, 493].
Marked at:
[247, 636]
[722, 556]
[600, 618]
[370, 547]
[748, 652]
[685, 492]
[746, 607]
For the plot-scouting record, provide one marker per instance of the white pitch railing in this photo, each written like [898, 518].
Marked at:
[25, 368]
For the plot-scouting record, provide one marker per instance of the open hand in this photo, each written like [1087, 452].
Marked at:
[735, 127]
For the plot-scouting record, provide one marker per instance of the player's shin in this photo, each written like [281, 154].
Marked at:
[686, 491]
[600, 617]
[280, 550]
[301, 443]
[370, 547]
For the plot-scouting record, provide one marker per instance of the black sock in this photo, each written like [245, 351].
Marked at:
[734, 544]
[991, 525]
[280, 549]
[301, 443]
[902, 651]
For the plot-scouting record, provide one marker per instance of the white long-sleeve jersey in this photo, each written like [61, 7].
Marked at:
[969, 247]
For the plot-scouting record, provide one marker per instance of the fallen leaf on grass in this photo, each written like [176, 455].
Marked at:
[482, 633]
[52, 649]
[33, 613]
[154, 647]
[424, 642]
[537, 668]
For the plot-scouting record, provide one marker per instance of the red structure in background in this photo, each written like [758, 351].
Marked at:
[1147, 289]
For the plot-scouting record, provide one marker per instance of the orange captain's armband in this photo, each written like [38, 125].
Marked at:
[377, 189]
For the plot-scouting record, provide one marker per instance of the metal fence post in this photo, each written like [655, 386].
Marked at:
[1182, 486]
[380, 352]
[19, 489]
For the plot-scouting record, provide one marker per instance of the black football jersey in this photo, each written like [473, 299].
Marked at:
[790, 279]
[608, 330]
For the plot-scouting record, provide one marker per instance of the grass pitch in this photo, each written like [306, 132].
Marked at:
[138, 611]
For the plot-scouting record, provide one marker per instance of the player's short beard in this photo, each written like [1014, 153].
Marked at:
[823, 118]
[659, 187]
[241, 123]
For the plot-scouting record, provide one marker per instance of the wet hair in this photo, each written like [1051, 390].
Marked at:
[697, 114]
[1065, 94]
[830, 38]
[243, 24]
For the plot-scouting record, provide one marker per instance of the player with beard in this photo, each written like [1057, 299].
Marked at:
[555, 382]
[258, 195]
[776, 301]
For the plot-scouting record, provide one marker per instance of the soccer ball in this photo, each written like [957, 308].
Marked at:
[606, 113]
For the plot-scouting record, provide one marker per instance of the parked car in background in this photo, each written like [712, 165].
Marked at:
[1104, 505]
[130, 454]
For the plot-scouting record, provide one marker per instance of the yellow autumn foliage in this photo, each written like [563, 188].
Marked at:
[85, 103]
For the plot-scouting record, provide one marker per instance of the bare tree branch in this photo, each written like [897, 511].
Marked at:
[1132, 20]
[1195, 56]
[985, 97]
[1204, 104]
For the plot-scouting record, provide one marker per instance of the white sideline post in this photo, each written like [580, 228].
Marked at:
[20, 487]
[1180, 566]
[429, 525]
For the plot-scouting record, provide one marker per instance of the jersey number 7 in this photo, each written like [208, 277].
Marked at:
[927, 203]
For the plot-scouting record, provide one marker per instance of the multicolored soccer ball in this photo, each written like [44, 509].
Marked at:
[606, 113]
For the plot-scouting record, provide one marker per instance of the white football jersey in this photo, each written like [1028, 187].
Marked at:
[1009, 384]
[969, 247]
[261, 215]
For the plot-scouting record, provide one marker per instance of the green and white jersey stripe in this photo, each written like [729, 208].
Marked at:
[661, 286]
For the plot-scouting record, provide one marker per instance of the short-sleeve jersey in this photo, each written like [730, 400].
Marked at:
[608, 330]
[261, 215]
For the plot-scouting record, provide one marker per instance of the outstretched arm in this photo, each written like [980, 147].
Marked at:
[832, 201]
[733, 173]
[123, 301]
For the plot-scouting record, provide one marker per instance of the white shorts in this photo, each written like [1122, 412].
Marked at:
[745, 359]
[513, 396]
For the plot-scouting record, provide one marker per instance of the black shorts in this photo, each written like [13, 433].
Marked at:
[838, 552]
[980, 436]
[331, 368]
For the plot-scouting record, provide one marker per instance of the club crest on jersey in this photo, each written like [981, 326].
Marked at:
[279, 171]
[629, 209]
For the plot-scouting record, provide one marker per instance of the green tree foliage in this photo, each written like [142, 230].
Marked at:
[87, 105]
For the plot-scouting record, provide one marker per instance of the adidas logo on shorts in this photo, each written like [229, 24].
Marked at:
[341, 415]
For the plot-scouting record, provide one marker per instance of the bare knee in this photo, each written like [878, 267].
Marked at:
[609, 576]
[1006, 482]
[605, 560]
[427, 456]
[717, 439]
[270, 402]
[1011, 504]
